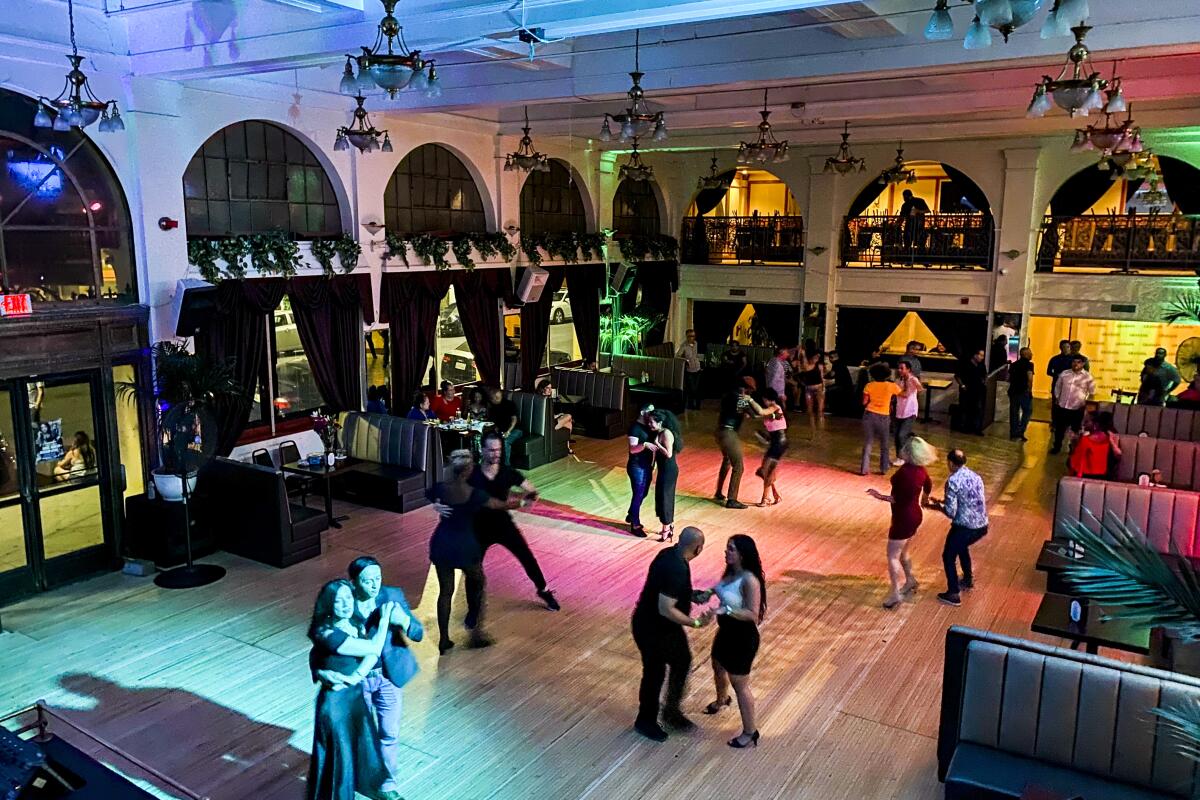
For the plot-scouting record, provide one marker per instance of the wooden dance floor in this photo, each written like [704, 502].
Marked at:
[211, 685]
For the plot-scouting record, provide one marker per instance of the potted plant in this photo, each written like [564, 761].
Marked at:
[187, 387]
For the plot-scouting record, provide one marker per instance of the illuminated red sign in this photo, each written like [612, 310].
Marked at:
[15, 305]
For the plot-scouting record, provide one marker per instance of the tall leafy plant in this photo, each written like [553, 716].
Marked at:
[626, 333]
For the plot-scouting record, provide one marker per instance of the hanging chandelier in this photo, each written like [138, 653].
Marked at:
[635, 170]
[897, 172]
[712, 180]
[1109, 138]
[1082, 92]
[636, 120]
[361, 133]
[1154, 196]
[1005, 16]
[766, 149]
[844, 162]
[1130, 166]
[525, 158]
[389, 64]
[76, 106]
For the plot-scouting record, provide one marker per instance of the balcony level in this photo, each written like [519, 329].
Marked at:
[920, 241]
[757, 239]
[1129, 244]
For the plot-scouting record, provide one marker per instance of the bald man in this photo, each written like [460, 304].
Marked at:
[660, 622]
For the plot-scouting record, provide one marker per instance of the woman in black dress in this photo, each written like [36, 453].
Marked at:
[742, 593]
[345, 756]
[775, 430]
[667, 444]
[455, 546]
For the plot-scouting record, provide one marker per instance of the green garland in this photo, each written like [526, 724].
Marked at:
[431, 249]
[652, 247]
[233, 250]
[203, 254]
[461, 246]
[348, 251]
[397, 247]
[323, 251]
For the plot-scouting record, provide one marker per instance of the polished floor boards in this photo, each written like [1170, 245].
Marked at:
[211, 686]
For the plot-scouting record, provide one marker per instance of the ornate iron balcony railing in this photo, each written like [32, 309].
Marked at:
[743, 240]
[926, 241]
[1128, 243]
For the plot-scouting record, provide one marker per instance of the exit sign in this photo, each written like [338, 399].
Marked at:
[15, 305]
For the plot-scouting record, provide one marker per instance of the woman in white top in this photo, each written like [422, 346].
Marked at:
[742, 592]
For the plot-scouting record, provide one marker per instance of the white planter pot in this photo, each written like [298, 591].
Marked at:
[170, 487]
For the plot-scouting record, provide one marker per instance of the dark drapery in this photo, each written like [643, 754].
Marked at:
[535, 327]
[962, 334]
[409, 302]
[1182, 182]
[714, 320]
[865, 198]
[965, 187]
[1080, 192]
[237, 335]
[781, 323]
[585, 284]
[708, 199]
[329, 320]
[861, 331]
[477, 294]
[656, 281]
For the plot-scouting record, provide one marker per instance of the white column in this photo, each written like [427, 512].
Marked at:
[822, 227]
[1017, 225]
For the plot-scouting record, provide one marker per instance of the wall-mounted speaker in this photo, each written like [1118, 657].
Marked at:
[622, 279]
[531, 283]
[194, 304]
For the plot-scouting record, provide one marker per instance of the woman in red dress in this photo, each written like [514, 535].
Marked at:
[911, 486]
[1095, 449]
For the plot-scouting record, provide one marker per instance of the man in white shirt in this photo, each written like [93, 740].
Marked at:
[689, 351]
[1071, 393]
[907, 403]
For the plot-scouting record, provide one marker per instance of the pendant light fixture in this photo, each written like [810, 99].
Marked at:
[525, 158]
[76, 106]
[635, 170]
[766, 149]
[898, 173]
[712, 180]
[636, 120]
[389, 64]
[844, 162]
[1004, 16]
[361, 133]
[1078, 89]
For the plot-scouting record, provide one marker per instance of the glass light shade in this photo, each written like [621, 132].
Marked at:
[1073, 12]
[1116, 104]
[1040, 104]
[341, 144]
[435, 87]
[419, 81]
[74, 118]
[979, 36]
[390, 77]
[42, 118]
[1025, 10]
[60, 122]
[627, 131]
[605, 131]
[89, 115]
[1095, 99]
[1072, 98]
[387, 144]
[941, 26]
[365, 83]
[349, 83]
[115, 123]
[994, 12]
[105, 125]
[660, 131]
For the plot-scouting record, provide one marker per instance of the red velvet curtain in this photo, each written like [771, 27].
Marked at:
[477, 294]
[329, 318]
[237, 334]
[585, 283]
[535, 327]
[409, 303]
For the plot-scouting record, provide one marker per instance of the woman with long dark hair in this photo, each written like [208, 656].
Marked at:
[742, 592]
[668, 441]
[775, 425]
[78, 461]
[346, 757]
[812, 379]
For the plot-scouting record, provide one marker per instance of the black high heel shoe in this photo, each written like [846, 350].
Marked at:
[668, 535]
[444, 646]
[715, 706]
[736, 741]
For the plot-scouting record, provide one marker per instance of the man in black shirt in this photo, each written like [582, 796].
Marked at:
[1020, 394]
[496, 526]
[660, 619]
[640, 469]
[503, 414]
[733, 410]
[972, 386]
[912, 215]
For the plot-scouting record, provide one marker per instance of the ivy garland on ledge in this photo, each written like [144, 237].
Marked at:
[268, 253]
[432, 248]
[570, 248]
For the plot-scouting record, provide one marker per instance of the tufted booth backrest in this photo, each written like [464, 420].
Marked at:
[599, 389]
[1178, 461]
[756, 357]
[1167, 518]
[663, 350]
[385, 439]
[1160, 422]
[534, 412]
[664, 372]
[1089, 715]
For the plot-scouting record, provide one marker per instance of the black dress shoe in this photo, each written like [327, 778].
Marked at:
[549, 599]
[678, 721]
[734, 504]
[651, 730]
[638, 531]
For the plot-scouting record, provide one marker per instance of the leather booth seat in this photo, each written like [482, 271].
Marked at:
[605, 410]
[246, 505]
[1178, 461]
[1159, 422]
[540, 443]
[1016, 713]
[661, 350]
[664, 389]
[1167, 518]
[400, 460]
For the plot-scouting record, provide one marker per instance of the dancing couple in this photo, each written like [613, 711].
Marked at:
[736, 405]
[361, 661]
[663, 615]
[654, 441]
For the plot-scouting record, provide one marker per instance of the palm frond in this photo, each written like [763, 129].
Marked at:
[1119, 568]
[1184, 307]
[1183, 723]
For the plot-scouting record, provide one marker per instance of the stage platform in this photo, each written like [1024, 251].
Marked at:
[211, 685]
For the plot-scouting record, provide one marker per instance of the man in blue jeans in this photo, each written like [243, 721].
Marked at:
[640, 469]
[1020, 395]
[964, 503]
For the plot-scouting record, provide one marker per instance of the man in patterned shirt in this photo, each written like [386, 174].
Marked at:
[965, 505]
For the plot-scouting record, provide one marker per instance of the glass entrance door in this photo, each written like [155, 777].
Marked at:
[59, 459]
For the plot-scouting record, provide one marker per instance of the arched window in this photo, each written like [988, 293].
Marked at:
[635, 208]
[431, 190]
[255, 177]
[65, 233]
[551, 203]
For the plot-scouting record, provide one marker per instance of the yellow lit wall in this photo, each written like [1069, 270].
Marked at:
[911, 329]
[1116, 349]
[754, 190]
[1113, 201]
[928, 187]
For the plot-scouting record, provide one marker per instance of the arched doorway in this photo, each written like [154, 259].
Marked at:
[752, 219]
[937, 218]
